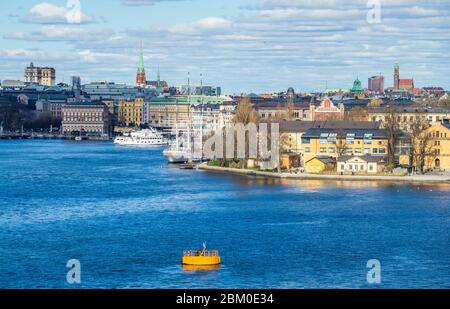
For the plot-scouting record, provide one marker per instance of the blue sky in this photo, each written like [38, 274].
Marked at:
[242, 45]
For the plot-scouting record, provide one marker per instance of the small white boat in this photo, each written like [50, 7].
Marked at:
[78, 139]
[179, 155]
[147, 137]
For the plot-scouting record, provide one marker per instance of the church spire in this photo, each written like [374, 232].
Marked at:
[141, 79]
[141, 66]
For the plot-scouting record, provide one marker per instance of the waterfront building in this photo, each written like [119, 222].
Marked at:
[366, 164]
[292, 132]
[166, 112]
[40, 75]
[437, 152]
[320, 164]
[376, 84]
[91, 118]
[130, 112]
[405, 116]
[327, 110]
[338, 142]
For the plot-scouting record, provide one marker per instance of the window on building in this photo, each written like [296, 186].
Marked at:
[342, 166]
[324, 138]
[370, 167]
[322, 150]
[331, 150]
[307, 150]
[350, 138]
[381, 151]
[332, 138]
[368, 138]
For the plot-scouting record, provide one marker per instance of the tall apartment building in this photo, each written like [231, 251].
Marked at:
[41, 75]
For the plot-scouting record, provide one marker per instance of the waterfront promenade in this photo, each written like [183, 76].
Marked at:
[408, 179]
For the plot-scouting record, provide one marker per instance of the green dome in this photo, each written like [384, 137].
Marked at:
[357, 88]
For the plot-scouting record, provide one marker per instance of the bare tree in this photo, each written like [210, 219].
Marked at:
[422, 143]
[392, 127]
[341, 142]
[245, 114]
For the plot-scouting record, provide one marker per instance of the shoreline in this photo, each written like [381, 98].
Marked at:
[404, 179]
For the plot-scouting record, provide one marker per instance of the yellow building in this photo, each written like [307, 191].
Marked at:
[437, 150]
[318, 165]
[319, 142]
[289, 160]
[130, 113]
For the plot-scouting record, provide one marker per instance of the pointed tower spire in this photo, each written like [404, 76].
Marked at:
[158, 79]
[141, 79]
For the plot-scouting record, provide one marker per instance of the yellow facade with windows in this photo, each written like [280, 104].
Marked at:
[130, 113]
[439, 140]
[336, 144]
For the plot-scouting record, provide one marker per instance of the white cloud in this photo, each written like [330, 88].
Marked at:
[145, 2]
[205, 25]
[47, 13]
[58, 33]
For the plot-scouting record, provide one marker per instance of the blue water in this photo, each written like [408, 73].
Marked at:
[127, 217]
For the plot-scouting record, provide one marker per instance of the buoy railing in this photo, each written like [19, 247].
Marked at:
[201, 253]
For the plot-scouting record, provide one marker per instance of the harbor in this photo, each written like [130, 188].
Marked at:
[128, 216]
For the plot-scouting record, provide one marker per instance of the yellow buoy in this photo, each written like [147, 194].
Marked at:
[201, 257]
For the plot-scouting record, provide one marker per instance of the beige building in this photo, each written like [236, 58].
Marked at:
[406, 116]
[361, 164]
[41, 75]
[91, 118]
[166, 112]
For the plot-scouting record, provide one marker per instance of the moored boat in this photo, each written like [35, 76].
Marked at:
[147, 137]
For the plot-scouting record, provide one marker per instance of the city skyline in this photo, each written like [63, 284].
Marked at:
[243, 46]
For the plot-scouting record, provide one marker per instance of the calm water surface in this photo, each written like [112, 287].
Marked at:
[127, 217]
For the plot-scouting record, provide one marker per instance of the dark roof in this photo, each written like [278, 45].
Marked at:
[366, 158]
[446, 123]
[325, 160]
[381, 109]
[84, 103]
[359, 133]
[303, 126]
[274, 105]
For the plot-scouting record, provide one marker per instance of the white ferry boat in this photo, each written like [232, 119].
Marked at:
[147, 137]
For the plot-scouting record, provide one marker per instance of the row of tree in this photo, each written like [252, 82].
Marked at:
[14, 116]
